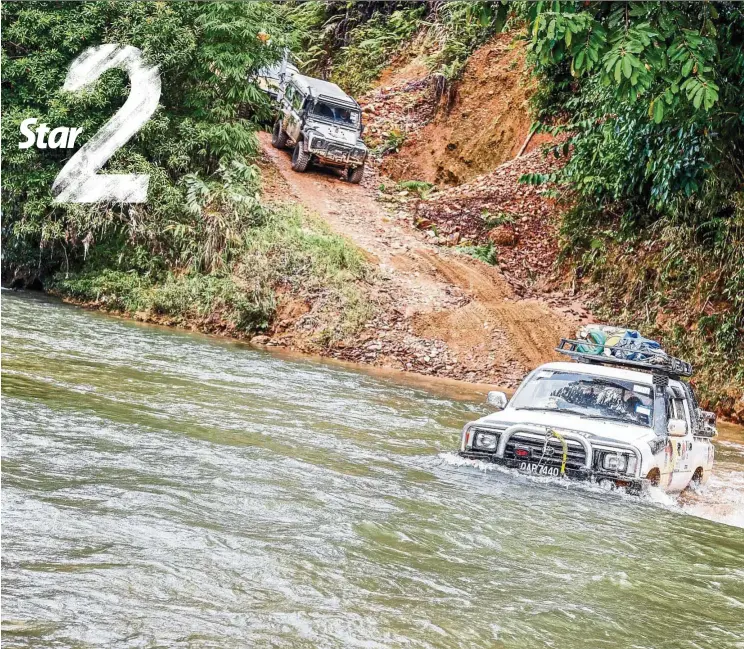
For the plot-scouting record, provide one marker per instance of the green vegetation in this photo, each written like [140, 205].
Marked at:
[351, 43]
[486, 253]
[420, 187]
[282, 251]
[203, 248]
[459, 28]
[393, 142]
[198, 129]
[494, 220]
[654, 177]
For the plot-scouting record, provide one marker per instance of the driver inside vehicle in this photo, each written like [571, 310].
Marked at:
[337, 114]
[635, 408]
[587, 396]
[324, 111]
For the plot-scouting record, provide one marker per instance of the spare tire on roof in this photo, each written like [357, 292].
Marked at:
[593, 336]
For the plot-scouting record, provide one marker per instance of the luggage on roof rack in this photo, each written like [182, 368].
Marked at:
[654, 360]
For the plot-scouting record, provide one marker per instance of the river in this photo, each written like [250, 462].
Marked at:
[166, 489]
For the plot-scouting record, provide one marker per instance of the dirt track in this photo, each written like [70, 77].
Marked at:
[450, 315]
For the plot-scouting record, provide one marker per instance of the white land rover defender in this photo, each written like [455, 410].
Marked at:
[625, 423]
[323, 124]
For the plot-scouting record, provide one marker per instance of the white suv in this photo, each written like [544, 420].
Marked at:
[619, 422]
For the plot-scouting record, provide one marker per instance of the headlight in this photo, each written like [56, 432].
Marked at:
[615, 462]
[485, 441]
[358, 153]
[318, 143]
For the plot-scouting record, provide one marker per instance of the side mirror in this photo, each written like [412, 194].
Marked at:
[497, 399]
[677, 427]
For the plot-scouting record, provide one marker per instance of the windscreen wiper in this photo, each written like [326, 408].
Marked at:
[621, 419]
[564, 410]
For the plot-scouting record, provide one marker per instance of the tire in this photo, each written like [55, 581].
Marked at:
[278, 135]
[696, 481]
[300, 158]
[355, 175]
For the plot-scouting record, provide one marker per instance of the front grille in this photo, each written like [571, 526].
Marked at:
[553, 454]
[337, 151]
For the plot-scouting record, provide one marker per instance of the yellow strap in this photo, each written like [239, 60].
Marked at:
[564, 443]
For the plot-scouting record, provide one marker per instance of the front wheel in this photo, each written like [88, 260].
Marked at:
[278, 135]
[355, 175]
[300, 158]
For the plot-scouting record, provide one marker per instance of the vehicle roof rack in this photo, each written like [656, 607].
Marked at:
[658, 361]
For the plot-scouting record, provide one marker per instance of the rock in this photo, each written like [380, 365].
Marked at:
[503, 235]
[261, 340]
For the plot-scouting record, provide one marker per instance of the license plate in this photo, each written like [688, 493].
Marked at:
[537, 469]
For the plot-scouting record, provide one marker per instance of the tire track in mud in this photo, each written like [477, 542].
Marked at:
[531, 327]
[492, 335]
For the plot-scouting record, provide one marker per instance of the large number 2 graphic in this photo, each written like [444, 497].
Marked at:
[78, 181]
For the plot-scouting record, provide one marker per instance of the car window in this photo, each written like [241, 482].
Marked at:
[337, 114]
[296, 98]
[678, 409]
[587, 395]
[692, 405]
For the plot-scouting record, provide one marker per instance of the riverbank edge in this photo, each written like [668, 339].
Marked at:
[215, 327]
[445, 386]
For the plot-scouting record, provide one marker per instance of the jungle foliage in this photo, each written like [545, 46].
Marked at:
[649, 97]
[203, 243]
[205, 53]
[350, 43]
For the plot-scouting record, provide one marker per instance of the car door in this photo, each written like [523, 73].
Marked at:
[682, 447]
[293, 120]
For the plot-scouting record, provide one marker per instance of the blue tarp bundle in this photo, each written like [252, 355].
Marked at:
[632, 346]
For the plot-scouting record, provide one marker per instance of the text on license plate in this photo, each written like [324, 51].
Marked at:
[534, 467]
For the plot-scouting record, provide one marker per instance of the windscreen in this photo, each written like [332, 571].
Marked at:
[337, 114]
[589, 396]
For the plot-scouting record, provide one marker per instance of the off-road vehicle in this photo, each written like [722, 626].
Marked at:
[620, 422]
[323, 124]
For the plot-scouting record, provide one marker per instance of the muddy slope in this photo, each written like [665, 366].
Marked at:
[440, 312]
[482, 122]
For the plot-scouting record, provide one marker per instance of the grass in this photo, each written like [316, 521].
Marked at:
[289, 253]
[485, 253]
[392, 143]
[494, 220]
[664, 283]
[419, 187]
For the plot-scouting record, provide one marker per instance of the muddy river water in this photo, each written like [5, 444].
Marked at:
[162, 489]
